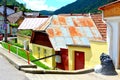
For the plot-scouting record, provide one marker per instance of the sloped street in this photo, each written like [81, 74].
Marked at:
[9, 72]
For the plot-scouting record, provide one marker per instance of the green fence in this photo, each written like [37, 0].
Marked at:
[24, 54]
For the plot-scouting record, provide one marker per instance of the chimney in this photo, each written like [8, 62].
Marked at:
[16, 9]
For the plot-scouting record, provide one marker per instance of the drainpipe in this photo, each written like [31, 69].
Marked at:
[110, 39]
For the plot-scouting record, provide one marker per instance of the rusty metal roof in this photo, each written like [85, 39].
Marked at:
[66, 30]
[32, 23]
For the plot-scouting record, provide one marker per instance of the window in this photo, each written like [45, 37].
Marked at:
[45, 52]
[38, 52]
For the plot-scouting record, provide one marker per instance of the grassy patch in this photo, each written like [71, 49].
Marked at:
[25, 32]
[22, 53]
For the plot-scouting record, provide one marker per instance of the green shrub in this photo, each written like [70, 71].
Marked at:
[25, 32]
[14, 25]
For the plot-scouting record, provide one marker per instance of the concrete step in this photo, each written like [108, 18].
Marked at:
[27, 66]
[43, 71]
[33, 70]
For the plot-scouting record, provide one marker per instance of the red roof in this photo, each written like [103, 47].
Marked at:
[100, 24]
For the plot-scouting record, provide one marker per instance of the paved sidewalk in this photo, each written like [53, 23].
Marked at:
[14, 59]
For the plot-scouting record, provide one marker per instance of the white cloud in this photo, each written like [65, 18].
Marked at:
[43, 4]
[38, 5]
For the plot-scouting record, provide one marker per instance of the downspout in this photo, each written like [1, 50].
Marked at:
[109, 39]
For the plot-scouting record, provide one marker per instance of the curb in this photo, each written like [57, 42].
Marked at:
[31, 68]
[38, 71]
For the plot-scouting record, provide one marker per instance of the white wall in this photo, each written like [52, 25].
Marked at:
[113, 38]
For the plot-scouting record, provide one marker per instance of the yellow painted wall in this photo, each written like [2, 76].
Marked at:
[97, 49]
[92, 54]
[42, 51]
[71, 55]
[21, 38]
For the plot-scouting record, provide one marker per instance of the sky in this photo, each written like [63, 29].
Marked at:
[45, 4]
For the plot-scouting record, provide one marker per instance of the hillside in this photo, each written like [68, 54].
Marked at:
[9, 2]
[45, 12]
[12, 3]
[83, 6]
[79, 6]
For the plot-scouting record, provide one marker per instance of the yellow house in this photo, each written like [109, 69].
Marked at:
[88, 55]
[97, 48]
[40, 47]
[55, 33]
[79, 54]
[40, 51]
[24, 40]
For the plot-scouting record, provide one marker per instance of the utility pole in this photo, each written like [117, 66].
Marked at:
[5, 20]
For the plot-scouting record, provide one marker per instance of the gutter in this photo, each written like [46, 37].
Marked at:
[38, 71]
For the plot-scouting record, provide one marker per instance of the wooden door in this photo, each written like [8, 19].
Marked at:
[64, 58]
[79, 60]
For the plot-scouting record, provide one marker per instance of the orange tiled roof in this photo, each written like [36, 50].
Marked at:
[97, 18]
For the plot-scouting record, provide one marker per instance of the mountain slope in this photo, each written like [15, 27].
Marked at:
[9, 2]
[83, 6]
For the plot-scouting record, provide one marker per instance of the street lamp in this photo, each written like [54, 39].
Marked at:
[5, 20]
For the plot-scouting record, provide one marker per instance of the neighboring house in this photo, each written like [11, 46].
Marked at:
[29, 24]
[9, 11]
[37, 50]
[111, 13]
[15, 20]
[1, 23]
[31, 14]
[60, 31]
